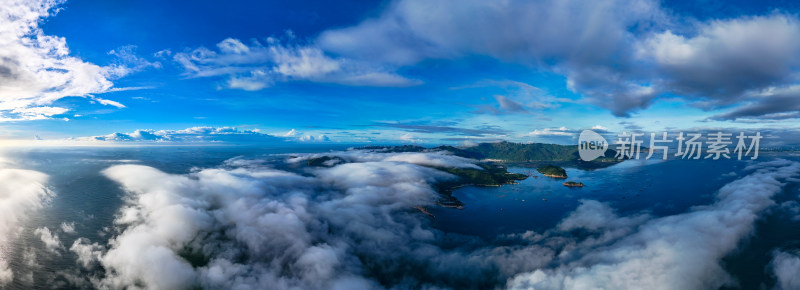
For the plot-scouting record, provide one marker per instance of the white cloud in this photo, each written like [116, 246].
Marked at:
[675, 252]
[291, 133]
[109, 102]
[594, 216]
[51, 241]
[437, 159]
[589, 42]
[311, 138]
[727, 58]
[87, 253]
[621, 54]
[37, 69]
[21, 192]
[126, 62]
[247, 224]
[560, 131]
[68, 227]
[259, 65]
[273, 228]
[294, 135]
[786, 266]
[189, 135]
[408, 137]
[35, 113]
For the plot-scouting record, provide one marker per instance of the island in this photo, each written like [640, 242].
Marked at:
[487, 173]
[515, 154]
[492, 160]
[326, 161]
[552, 171]
[573, 184]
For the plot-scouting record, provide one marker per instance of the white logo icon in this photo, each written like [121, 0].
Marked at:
[591, 145]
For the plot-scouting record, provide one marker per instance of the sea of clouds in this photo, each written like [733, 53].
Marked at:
[262, 224]
[21, 193]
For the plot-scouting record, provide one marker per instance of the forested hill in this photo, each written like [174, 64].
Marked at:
[518, 152]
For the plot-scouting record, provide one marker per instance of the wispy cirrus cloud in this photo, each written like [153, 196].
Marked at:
[564, 131]
[444, 128]
[516, 98]
[260, 64]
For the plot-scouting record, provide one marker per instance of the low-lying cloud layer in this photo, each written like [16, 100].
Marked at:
[254, 227]
[352, 224]
[21, 192]
[675, 252]
[785, 266]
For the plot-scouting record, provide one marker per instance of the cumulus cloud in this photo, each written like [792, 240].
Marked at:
[88, 253]
[68, 227]
[260, 64]
[751, 62]
[197, 135]
[727, 58]
[590, 42]
[593, 215]
[246, 227]
[21, 192]
[37, 69]
[189, 135]
[51, 241]
[620, 55]
[291, 133]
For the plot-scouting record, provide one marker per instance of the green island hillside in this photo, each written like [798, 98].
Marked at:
[552, 171]
[492, 159]
[531, 154]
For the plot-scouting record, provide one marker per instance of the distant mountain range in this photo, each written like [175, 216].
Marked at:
[509, 152]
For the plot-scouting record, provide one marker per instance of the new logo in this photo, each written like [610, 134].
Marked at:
[591, 145]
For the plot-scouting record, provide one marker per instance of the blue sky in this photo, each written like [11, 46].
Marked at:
[397, 71]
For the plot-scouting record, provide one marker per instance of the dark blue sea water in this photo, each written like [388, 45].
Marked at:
[89, 200]
[538, 203]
